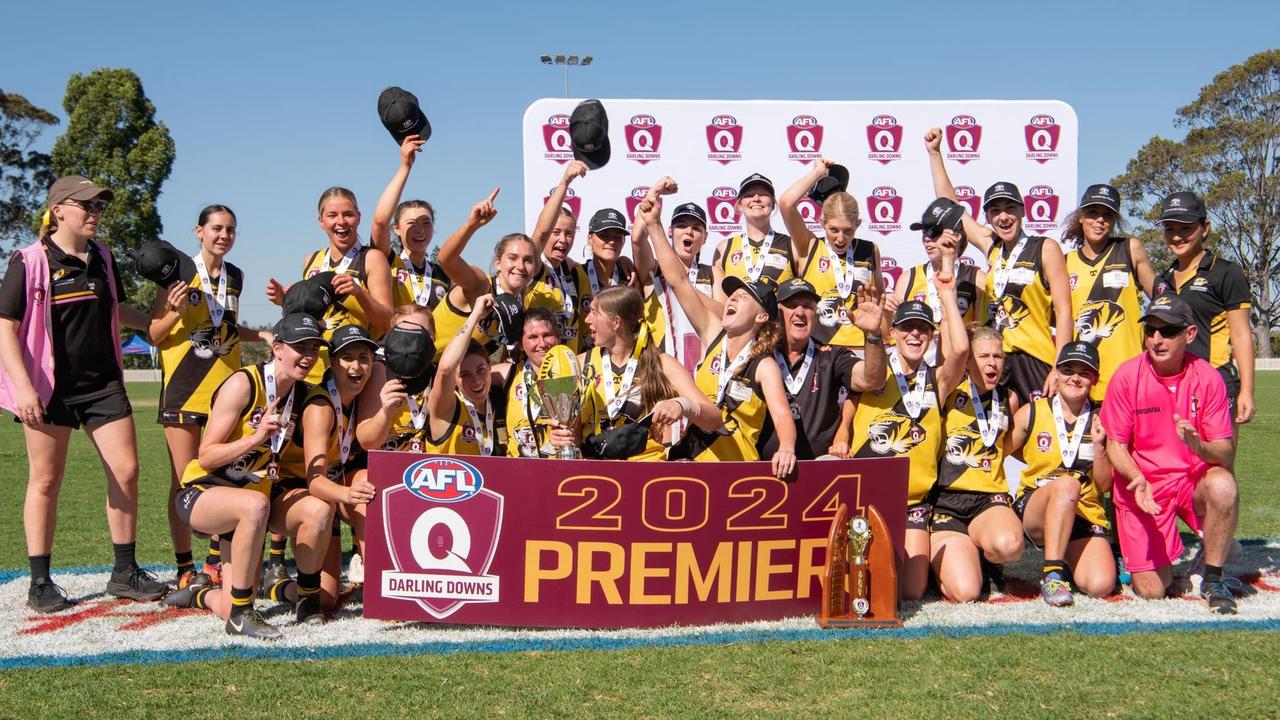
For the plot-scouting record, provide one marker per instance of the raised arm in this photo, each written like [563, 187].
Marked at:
[789, 204]
[705, 322]
[380, 233]
[869, 374]
[470, 278]
[551, 209]
[954, 344]
[943, 187]
[166, 311]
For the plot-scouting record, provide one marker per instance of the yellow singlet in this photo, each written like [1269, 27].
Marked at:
[1106, 307]
[1043, 456]
[196, 355]
[968, 463]
[1022, 311]
[882, 427]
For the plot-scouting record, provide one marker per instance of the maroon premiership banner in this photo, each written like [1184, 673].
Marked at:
[608, 544]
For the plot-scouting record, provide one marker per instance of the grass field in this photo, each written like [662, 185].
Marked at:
[1065, 674]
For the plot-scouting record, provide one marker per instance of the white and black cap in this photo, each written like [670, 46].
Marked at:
[689, 210]
[755, 179]
[1002, 190]
[1079, 352]
[1101, 194]
[607, 219]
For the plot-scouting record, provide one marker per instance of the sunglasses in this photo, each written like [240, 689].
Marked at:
[93, 207]
[1166, 331]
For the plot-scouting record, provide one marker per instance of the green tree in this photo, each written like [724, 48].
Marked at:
[25, 175]
[113, 139]
[1231, 157]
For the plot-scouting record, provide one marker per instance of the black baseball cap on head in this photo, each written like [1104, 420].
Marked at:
[1184, 207]
[942, 213]
[162, 263]
[510, 313]
[407, 350]
[347, 335]
[755, 179]
[297, 328]
[692, 210]
[914, 310]
[1171, 309]
[794, 288]
[837, 180]
[589, 133]
[763, 290]
[1001, 191]
[1101, 194]
[313, 296]
[607, 219]
[401, 114]
[1081, 352]
[76, 187]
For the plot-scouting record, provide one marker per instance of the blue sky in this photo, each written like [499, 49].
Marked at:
[270, 103]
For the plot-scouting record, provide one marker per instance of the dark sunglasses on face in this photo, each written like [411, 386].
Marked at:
[1167, 332]
[93, 207]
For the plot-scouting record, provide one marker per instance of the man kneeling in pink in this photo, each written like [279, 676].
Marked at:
[1168, 424]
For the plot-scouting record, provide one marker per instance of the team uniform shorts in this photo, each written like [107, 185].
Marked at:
[1025, 375]
[954, 510]
[1081, 529]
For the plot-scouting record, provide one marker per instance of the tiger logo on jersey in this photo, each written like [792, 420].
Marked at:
[965, 447]
[205, 342]
[832, 312]
[894, 434]
[1098, 320]
[1008, 312]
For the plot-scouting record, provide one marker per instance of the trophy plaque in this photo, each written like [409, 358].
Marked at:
[861, 580]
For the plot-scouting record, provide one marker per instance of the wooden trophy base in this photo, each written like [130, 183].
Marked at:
[881, 576]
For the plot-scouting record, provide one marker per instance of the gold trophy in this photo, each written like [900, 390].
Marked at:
[560, 386]
[861, 579]
[859, 588]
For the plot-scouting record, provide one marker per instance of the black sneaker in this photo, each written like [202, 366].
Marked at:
[309, 610]
[136, 584]
[47, 596]
[1218, 597]
[272, 573]
[251, 624]
[185, 596]
[992, 577]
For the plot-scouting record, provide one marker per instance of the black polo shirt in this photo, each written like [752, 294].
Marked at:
[818, 402]
[83, 345]
[1216, 286]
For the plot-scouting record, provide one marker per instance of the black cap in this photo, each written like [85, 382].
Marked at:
[346, 335]
[162, 263]
[408, 350]
[607, 219]
[942, 213]
[1184, 207]
[1081, 352]
[763, 290]
[1001, 191]
[297, 328]
[794, 287]
[401, 115]
[510, 313]
[313, 296]
[837, 180]
[1171, 309]
[1101, 194]
[914, 310]
[755, 179]
[693, 210]
[589, 133]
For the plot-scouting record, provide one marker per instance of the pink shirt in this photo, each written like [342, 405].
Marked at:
[1139, 409]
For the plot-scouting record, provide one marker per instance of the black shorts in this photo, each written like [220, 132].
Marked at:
[285, 484]
[1232, 380]
[954, 510]
[90, 413]
[1025, 375]
[184, 501]
[918, 516]
[177, 417]
[1081, 529]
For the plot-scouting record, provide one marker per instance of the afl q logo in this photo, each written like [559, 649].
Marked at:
[571, 201]
[1042, 208]
[804, 136]
[964, 137]
[970, 198]
[884, 139]
[722, 211]
[890, 272]
[724, 139]
[1042, 133]
[555, 136]
[811, 213]
[637, 196]
[884, 206]
[644, 137]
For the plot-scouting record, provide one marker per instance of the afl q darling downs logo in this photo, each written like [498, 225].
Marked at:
[555, 136]
[964, 137]
[884, 206]
[1042, 133]
[804, 137]
[722, 211]
[724, 139]
[636, 197]
[644, 138]
[1041, 205]
[442, 563]
[884, 139]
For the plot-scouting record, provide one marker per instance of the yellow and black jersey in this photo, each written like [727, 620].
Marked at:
[405, 435]
[549, 290]
[1023, 312]
[968, 463]
[968, 294]
[449, 320]
[1043, 456]
[408, 283]
[293, 459]
[196, 355]
[776, 263]
[835, 311]
[345, 310]
[250, 469]
[882, 427]
[1106, 306]
[526, 435]
[661, 305]
[595, 412]
[742, 407]
[1215, 287]
[463, 437]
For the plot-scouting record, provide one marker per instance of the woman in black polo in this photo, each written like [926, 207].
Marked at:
[1218, 293]
[60, 315]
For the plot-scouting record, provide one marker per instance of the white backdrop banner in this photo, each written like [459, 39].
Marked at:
[708, 147]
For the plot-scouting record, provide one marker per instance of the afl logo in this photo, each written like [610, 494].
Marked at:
[964, 137]
[1041, 205]
[633, 201]
[644, 137]
[804, 136]
[884, 139]
[724, 139]
[722, 211]
[884, 205]
[968, 197]
[555, 136]
[1043, 442]
[571, 201]
[1072, 280]
[1042, 133]
[443, 480]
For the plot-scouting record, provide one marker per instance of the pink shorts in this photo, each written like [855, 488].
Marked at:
[1151, 542]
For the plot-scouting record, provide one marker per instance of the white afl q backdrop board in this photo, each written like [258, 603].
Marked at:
[709, 146]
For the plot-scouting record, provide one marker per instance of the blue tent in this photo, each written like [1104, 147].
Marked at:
[137, 346]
